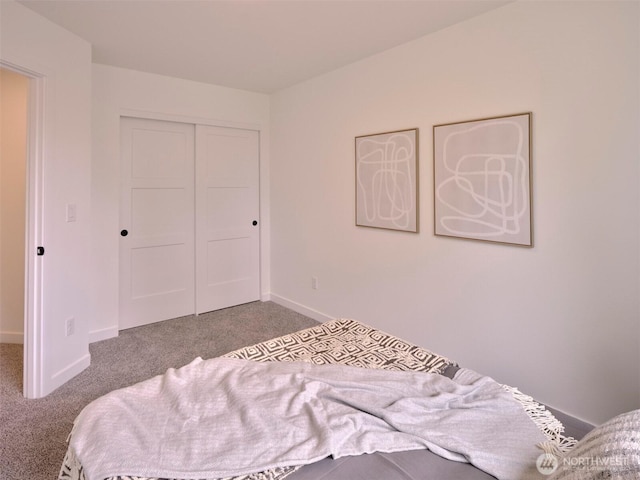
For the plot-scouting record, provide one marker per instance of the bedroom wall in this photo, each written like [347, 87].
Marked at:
[118, 91]
[560, 320]
[44, 49]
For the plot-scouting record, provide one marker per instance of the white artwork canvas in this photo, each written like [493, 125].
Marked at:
[482, 187]
[387, 180]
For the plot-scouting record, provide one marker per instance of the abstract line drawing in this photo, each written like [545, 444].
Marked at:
[482, 179]
[386, 180]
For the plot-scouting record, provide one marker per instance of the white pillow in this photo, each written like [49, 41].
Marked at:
[610, 451]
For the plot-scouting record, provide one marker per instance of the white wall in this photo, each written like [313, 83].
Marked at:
[63, 61]
[14, 91]
[560, 320]
[119, 92]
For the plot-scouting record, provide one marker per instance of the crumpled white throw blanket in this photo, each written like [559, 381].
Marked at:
[226, 417]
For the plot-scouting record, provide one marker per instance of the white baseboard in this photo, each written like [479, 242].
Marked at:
[95, 336]
[12, 337]
[103, 334]
[70, 371]
[301, 309]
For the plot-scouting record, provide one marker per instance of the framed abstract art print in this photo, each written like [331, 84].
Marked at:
[482, 179]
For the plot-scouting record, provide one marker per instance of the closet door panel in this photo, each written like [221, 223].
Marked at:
[227, 205]
[157, 221]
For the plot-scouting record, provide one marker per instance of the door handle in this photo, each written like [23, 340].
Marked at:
[124, 233]
[40, 251]
[254, 223]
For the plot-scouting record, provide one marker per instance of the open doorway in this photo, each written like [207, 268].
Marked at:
[14, 92]
[14, 124]
[26, 325]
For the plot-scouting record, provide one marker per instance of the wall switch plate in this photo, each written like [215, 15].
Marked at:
[71, 212]
[314, 283]
[70, 326]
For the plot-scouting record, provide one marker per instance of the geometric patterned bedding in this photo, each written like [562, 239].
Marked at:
[346, 342]
[342, 341]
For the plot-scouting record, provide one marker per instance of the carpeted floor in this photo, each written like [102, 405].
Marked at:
[33, 433]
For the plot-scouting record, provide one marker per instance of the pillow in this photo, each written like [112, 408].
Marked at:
[609, 451]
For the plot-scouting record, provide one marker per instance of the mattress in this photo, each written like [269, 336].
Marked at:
[352, 343]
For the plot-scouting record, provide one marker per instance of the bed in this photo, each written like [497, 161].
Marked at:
[352, 344]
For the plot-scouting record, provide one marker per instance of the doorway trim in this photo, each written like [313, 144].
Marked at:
[33, 370]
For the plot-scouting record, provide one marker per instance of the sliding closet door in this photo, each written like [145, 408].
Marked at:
[227, 212]
[157, 221]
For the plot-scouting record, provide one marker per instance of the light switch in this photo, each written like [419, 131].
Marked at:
[71, 212]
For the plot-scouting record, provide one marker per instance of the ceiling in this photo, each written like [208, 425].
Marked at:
[256, 45]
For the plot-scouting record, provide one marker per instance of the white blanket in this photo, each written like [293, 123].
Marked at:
[226, 417]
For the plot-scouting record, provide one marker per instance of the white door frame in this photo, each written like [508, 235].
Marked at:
[33, 370]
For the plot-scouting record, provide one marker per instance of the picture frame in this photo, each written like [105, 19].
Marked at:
[387, 180]
[482, 179]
